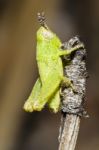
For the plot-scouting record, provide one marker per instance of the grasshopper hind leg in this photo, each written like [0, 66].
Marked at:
[47, 91]
[68, 83]
[29, 104]
[54, 103]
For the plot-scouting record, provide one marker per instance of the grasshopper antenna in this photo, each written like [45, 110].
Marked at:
[41, 19]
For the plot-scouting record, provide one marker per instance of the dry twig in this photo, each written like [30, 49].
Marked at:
[72, 103]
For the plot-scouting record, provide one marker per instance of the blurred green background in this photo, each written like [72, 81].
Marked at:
[18, 71]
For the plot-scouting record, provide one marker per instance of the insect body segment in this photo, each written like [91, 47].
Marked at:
[47, 87]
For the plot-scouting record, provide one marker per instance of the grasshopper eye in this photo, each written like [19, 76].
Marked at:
[64, 46]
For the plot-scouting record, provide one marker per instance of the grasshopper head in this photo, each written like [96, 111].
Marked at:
[44, 34]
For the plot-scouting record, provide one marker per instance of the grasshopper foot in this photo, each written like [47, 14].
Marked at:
[28, 106]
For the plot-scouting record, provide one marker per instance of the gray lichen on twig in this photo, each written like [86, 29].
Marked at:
[72, 102]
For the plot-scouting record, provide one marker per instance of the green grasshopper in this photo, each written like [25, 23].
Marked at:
[47, 87]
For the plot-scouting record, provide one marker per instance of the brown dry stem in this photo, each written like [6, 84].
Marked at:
[72, 103]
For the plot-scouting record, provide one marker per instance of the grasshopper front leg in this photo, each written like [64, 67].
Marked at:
[69, 51]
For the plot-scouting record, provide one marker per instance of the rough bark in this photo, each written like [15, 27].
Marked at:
[72, 102]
